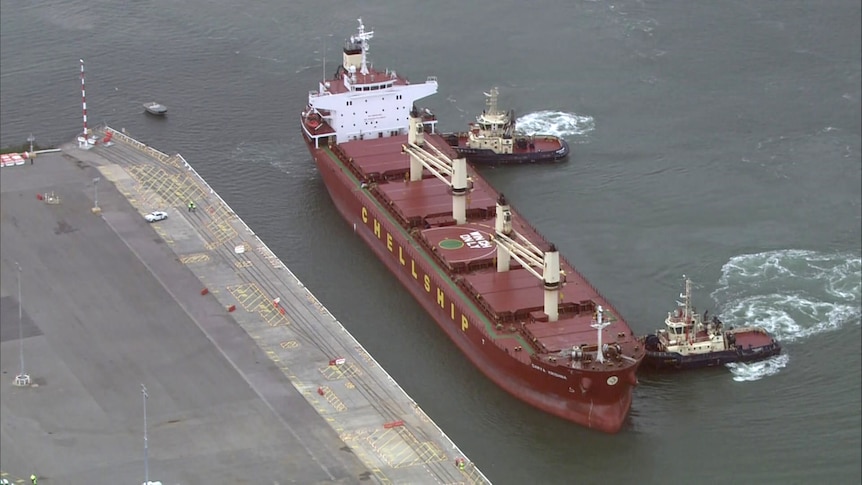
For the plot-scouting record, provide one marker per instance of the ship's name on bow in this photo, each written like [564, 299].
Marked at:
[546, 371]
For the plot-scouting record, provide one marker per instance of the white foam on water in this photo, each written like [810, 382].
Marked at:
[793, 294]
[753, 371]
[558, 123]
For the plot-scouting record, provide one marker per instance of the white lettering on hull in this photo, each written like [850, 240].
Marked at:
[550, 372]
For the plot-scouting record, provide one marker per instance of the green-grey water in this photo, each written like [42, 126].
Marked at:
[718, 140]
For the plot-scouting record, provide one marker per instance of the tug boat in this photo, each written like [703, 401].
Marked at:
[689, 340]
[494, 140]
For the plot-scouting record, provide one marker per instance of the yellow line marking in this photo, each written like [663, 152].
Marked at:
[359, 450]
[252, 299]
[221, 230]
[195, 258]
[333, 400]
[364, 354]
[269, 256]
[272, 356]
[248, 295]
[422, 416]
[336, 372]
[164, 235]
[399, 448]
[175, 190]
[316, 304]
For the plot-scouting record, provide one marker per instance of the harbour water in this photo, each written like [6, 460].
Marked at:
[721, 141]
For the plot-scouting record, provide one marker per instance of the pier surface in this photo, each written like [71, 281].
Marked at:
[249, 378]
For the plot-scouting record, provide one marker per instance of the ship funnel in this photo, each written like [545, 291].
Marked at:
[551, 280]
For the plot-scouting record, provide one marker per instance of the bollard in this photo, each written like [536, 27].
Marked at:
[40, 197]
[205, 291]
[231, 308]
[320, 391]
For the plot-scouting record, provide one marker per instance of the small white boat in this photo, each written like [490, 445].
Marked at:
[154, 108]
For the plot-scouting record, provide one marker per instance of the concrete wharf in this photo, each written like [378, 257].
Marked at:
[274, 391]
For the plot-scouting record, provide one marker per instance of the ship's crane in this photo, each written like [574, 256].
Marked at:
[451, 172]
[511, 245]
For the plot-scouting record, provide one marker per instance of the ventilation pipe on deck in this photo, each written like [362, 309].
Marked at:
[416, 136]
[459, 190]
[551, 279]
[503, 226]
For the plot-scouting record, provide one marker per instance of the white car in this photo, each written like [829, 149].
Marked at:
[156, 216]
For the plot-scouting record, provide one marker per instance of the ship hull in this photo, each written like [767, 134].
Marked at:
[601, 407]
[550, 149]
[658, 360]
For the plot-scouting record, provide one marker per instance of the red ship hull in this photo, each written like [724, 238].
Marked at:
[598, 399]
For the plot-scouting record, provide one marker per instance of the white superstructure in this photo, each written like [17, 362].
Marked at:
[361, 102]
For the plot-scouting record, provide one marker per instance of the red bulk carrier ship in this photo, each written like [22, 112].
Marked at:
[521, 313]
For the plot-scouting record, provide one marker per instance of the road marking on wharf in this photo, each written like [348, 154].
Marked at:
[369, 411]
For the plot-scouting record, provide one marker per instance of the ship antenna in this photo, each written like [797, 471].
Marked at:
[599, 326]
[363, 38]
[324, 62]
[687, 316]
[492, 101]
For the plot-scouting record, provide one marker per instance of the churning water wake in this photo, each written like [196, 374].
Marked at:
[793, 294]
[557, 123]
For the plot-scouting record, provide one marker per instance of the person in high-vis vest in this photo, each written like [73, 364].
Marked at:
[33, 479]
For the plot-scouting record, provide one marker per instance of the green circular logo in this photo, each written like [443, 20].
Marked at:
[451, 244]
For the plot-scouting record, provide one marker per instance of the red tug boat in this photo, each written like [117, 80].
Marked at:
[520, 312]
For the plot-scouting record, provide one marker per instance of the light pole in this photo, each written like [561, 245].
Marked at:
[146, 451]
[21, 379]
[96, 191]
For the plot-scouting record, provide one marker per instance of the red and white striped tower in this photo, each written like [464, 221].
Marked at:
[84, 97]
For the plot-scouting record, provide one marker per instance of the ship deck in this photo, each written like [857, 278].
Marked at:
[336, 85]
[510, 298]
[199, 309]
[752, 338]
